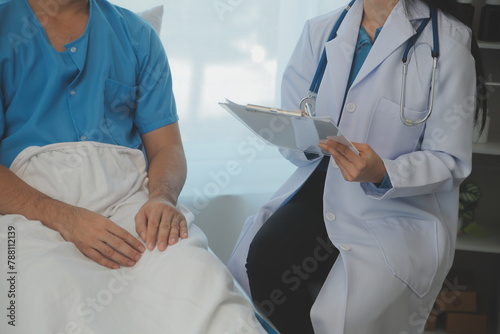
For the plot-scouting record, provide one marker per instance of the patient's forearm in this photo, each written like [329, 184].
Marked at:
[93, 234]
[167, 174]
[17, 197]
[167, 162]
[159, 222]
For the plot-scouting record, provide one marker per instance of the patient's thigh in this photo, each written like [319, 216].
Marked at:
[123, 214]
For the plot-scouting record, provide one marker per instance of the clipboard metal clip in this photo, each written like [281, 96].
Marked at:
[295, 131]
[254, 107]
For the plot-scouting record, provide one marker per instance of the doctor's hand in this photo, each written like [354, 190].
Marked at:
[159, 222]
[365, 167]
[100, 239]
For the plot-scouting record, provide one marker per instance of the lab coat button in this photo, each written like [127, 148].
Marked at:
[350, 107]
[330, 216]
[73, 49]
[83, 138]
[72, 92]
[345, 247]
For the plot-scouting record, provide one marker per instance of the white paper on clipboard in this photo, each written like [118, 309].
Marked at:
[288, 129]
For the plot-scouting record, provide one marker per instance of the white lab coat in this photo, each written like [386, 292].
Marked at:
[396, 247]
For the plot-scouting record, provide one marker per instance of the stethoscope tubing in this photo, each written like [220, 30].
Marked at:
[435, 56]
[320, 70]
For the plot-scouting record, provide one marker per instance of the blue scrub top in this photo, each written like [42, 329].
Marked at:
[111, 85]
[363, 48]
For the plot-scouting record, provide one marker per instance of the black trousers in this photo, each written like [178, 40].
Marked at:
[290, 258]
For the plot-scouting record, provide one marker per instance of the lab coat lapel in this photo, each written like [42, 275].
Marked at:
[339, 52]
[397, 31]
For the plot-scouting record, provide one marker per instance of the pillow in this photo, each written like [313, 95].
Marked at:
[154, 16]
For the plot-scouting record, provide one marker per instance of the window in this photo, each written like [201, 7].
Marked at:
[235, 49]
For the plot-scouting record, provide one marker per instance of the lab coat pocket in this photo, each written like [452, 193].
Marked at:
[388, 136]
[119, 114]
[410, 250]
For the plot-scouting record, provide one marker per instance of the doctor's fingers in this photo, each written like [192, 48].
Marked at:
[347, 169]
[338, 152]
[346, 151]
[335, 149]
[352, 166]
[367, 167]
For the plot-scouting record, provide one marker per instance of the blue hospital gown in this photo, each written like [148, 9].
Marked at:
[111, 85]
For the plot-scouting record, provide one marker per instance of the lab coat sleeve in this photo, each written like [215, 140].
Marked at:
[445, 157]
[295, 85]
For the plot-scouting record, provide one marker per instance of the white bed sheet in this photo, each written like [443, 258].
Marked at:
[55, 289]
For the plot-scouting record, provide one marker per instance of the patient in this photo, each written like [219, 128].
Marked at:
[106, 80]
[91, 166]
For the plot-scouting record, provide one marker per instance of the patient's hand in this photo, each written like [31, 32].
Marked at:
[101, 240]
[159, 222]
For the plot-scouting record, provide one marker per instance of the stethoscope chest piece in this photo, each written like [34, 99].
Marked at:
[308, 105]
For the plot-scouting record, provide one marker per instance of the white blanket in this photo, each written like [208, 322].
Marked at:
[48, 287]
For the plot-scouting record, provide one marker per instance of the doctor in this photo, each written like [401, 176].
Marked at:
[361, 244]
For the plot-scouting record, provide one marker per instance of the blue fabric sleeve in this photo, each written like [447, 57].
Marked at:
[377, 190]
[386, 183]
[155, 98]
[2, 116]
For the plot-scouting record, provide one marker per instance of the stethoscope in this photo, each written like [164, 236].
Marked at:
[308, 104]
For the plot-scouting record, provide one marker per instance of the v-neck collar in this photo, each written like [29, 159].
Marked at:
[68, 45]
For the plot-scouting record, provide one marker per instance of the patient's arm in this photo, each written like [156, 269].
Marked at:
[158, 222]
[94, 235]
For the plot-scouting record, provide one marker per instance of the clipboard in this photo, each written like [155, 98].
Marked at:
[288, 129]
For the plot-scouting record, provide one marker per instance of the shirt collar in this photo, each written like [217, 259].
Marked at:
[78, 48]
[363, 35]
